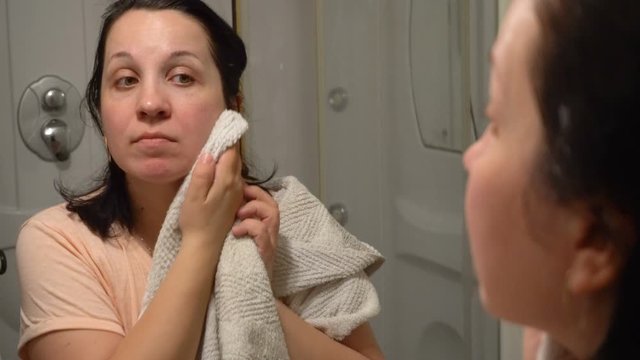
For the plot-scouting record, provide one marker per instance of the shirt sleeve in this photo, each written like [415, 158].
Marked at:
[62, 284]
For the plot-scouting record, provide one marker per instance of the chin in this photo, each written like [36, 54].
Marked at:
[490, 306]
[160, 175]
[154, 171]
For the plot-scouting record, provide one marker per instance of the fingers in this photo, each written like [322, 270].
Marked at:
[253, 228]
[260, 220]
[252, 192]
[258, 209]
[214, 194]
[230, 162]
[266, 215]
[204, 172]
[263, 207]
[260, 234]
[259, 205]
[257, 230]
[202, 178]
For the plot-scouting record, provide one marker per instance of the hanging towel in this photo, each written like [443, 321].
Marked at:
[320, 271]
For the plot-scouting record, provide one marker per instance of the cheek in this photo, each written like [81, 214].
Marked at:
[200, 111]
[485, 192]
[115, 115]
[512, 269]
[199, 127]
[481, 213]
[112, 130]
[494, 225]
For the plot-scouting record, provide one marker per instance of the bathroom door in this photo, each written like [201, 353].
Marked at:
[398, 80]
[37, 38]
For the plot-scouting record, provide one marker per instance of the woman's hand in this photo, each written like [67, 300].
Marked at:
[260, 219]
[212, 199]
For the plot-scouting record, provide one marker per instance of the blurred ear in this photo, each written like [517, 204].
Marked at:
[599, 254]
[593, 269]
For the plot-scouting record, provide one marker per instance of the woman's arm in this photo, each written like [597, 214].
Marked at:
[171, 326]
[306, 342]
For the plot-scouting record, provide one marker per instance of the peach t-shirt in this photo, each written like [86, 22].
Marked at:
[72, 279]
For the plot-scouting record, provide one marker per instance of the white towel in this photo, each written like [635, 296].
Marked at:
[320, 271]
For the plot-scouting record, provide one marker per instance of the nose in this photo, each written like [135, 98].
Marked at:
[153, 103]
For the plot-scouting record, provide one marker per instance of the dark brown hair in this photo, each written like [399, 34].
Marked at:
[587, 79]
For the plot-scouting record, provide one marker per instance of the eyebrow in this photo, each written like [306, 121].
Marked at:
[183, 53]
[173, 55]
[121, 55]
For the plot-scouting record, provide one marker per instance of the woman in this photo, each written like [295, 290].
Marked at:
[553, 202]
[164, 71]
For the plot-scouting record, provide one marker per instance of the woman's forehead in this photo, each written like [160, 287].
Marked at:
[518, 37]
[139, 31]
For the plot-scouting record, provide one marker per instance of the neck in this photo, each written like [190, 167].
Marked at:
[590, 321]
[149, 204]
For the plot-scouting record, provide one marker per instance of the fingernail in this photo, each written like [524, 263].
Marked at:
[206, 158]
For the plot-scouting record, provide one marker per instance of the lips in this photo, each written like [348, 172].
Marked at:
[153, 137]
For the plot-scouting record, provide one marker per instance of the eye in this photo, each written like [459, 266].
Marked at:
[126, 82]
[182, 79]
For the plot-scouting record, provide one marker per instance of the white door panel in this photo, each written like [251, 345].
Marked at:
[429, 323]
[280, 87]
[47, 38]
[8, 197]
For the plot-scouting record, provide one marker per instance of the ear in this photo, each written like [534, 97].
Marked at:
[593, 268]
[598, 256]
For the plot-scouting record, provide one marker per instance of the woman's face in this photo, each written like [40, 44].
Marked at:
[514, 229]
[160, 96]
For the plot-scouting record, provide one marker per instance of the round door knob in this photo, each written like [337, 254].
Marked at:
[54, 99]
[339, 212]
[338, 99]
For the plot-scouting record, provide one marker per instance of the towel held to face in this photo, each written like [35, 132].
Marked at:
[320, 270]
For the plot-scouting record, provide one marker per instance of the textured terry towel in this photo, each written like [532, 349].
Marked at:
[320, 271]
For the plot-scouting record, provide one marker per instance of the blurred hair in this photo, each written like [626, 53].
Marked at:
[587, 79]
